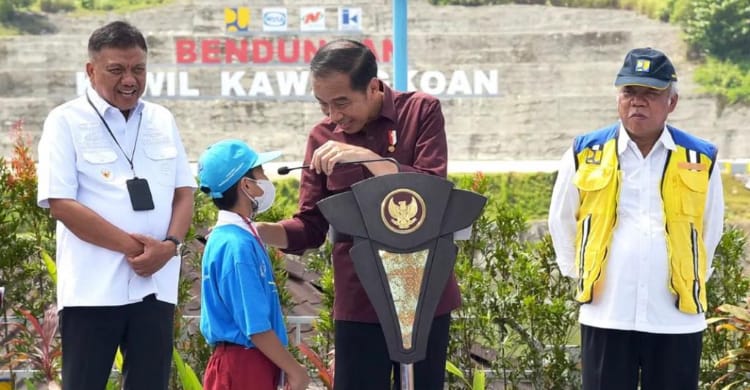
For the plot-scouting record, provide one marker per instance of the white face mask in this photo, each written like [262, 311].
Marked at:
[265, 201]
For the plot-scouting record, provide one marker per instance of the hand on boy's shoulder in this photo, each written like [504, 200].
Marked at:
[272, 233]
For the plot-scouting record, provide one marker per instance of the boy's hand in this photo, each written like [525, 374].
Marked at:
[297, 379]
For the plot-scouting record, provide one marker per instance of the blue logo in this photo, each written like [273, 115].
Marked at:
[274, 18]
[349, 19]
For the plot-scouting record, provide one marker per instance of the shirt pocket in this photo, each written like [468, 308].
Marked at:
[162, 160]
[593, 178]
[693, 196]
[99, 164]
[99, 156]
[593, 183]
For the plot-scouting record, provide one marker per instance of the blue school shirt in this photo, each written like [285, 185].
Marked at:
[239, 297]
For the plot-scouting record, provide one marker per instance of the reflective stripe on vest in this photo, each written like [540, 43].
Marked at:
[684, 190]
[598, 179]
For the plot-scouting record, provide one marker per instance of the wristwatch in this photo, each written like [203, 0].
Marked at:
[177, 244]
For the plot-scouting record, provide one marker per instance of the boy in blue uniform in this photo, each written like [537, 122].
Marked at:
[240, 310]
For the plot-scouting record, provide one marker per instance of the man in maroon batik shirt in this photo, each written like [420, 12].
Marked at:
[365, 120]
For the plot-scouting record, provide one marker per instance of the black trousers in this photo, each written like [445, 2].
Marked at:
[363, 363]
[91, 335]
[616, 359]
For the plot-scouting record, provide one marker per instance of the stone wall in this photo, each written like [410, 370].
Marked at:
[556, 67]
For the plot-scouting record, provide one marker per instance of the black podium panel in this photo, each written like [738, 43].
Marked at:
[402, 229]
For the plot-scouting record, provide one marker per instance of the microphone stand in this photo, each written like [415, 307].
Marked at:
[407, 376]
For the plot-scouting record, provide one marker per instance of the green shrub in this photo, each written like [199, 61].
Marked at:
[584, 3]
[680, 11]
[726, 79]
[54, 6]
[529, 192]
[654, 9]
[657, 9]
[25, 230]
[720, 28]
[516, 304]
[470, 2]
[6, 10]
[727, 285]
[121, 5]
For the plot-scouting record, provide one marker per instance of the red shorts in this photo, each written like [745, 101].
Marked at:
[234, 367]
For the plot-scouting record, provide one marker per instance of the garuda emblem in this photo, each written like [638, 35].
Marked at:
[403, 211]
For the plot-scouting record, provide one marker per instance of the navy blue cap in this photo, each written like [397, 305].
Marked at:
[646, 67]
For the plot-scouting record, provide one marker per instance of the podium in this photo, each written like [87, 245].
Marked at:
[403, 251]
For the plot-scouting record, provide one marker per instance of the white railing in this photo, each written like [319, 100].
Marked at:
[297, 321]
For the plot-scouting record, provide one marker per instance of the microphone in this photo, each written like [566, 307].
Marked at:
[285, 170]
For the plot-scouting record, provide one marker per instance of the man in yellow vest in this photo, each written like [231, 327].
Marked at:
[636, 214]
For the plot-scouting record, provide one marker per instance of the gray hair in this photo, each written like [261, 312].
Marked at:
[673, 89]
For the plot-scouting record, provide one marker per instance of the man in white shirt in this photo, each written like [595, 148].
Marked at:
[636, 214]
[114, 173]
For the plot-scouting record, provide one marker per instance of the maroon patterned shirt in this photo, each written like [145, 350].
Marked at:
[420, 147]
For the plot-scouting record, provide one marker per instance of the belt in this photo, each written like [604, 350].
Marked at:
[227, 344]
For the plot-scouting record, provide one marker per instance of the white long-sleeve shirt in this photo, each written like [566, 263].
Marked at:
[635, 293]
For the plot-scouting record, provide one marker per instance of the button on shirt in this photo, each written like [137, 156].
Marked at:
[79, 160]
[635, 293]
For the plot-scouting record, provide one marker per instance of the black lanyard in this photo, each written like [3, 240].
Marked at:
[132, 154]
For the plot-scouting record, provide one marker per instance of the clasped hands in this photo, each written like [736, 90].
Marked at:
[149, 254]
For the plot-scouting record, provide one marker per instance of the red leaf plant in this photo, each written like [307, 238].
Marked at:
[325, 373]
[37, 346]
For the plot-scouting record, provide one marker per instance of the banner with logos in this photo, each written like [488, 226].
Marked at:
[266, 58]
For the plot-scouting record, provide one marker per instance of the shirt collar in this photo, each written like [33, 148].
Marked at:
[231, 218]
[102, 105]
[623, 139]
[388, 109]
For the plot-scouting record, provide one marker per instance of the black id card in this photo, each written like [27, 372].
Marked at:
[140, 194]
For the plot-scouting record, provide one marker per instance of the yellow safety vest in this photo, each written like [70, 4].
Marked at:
[684, 188]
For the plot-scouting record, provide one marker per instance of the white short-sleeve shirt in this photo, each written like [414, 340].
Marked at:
[80, 160]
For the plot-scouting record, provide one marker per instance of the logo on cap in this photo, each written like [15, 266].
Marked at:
[643, 65]
[403, 211]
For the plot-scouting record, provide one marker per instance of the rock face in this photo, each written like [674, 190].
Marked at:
[555, 68]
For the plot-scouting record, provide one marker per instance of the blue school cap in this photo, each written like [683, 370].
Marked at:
[224, 163]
